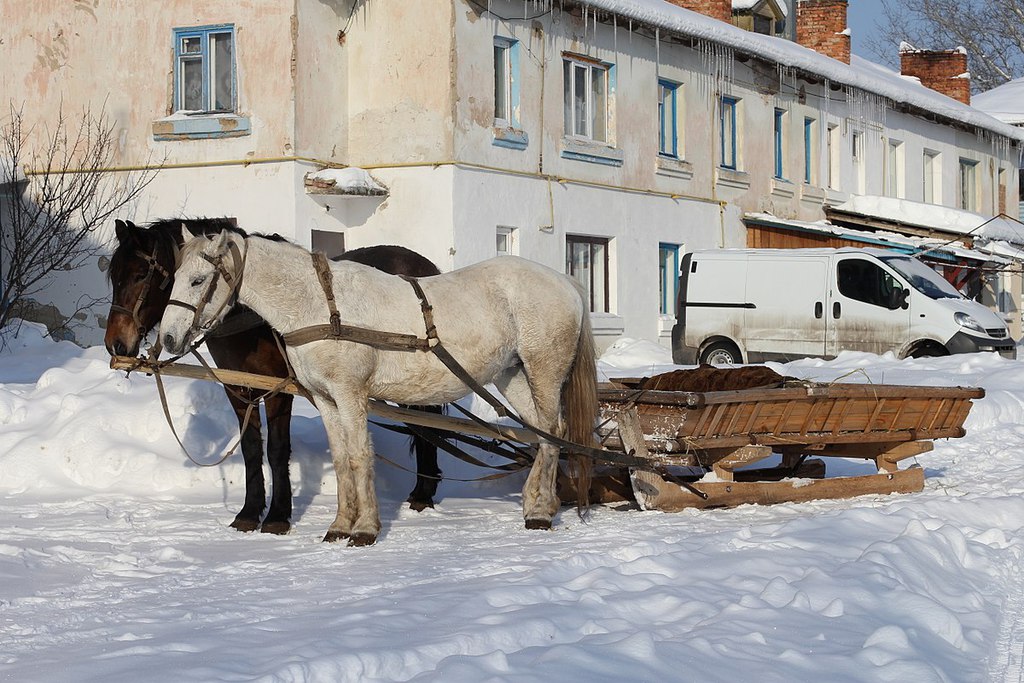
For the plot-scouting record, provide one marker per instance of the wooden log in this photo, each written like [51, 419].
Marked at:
[377, 408]
[668, 497]
[644, 483]
[723, 467]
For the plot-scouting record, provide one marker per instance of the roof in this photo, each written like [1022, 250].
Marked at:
[934, 217]
[1005, 103]
[886, 240]
[748, 5]
[859, 73]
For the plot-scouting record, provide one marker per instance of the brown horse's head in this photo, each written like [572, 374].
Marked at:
[141, 273]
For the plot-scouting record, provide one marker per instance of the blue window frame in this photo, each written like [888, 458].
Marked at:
[809, 150]
[727, 126]
[204, 69]
[506, 82]
[780, 147]
[668, 277]
[668, 109]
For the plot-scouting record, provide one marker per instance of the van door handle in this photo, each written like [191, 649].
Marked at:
[818, 309]
[836, 310]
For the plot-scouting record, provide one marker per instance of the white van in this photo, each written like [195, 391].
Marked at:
[754, 305]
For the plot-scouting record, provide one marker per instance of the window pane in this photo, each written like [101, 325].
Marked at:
[599, 103]
[667, 120]
[191, 46]
[599, 297]
[192, 84]
[779, 118]
[580, 100]
[728, 125]
[501, 82]
[222, 71]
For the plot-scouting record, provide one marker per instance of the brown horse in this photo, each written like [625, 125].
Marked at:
[141, 272]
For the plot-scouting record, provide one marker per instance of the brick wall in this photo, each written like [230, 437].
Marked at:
[941, 70]
[821, 26]
[716, 9]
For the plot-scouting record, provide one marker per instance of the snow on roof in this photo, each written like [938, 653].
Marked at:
[933, 216]
[882, 238]
[9, 172]
[1005, 103]
[747, 5]
[860, 73]
[345, 181]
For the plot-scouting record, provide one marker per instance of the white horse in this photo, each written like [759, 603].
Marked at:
[508, 321]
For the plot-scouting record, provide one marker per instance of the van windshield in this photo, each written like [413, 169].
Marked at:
[922, 278]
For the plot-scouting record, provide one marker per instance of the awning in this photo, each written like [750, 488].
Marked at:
[906, 217]
[936, 249]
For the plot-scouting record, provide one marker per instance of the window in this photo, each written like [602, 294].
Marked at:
[585, 86]
[330, 243]
[931, 178]
[204, 65]
[833, 144]
[668, 117]
[780, 143]
[506, 81]
[505, 240]
[727, 126]
[894, 169]
[809, 128]
[1001, 191]
[668, 277]
[586, 259]
[968, 185]
[866, 281]
[857, 156]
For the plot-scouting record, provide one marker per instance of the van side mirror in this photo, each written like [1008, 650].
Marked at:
[904, 299]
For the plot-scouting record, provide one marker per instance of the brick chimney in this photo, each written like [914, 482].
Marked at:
[821, 26]
[944, 71]
[716, 9]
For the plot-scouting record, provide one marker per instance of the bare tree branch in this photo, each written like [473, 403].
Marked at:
[50, 215]
[992, 31]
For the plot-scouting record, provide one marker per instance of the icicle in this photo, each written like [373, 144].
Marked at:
[615, 35]
[657, 52]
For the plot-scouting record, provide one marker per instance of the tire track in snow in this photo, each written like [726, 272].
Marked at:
[1009, 664]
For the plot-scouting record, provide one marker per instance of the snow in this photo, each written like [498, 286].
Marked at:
[116, 562]
[350, 180]
[1005, 102]
[945, 218]
[859, 73]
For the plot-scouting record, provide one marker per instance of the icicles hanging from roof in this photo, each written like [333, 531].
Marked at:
[866, 108]
[719, 62]
[787, 85]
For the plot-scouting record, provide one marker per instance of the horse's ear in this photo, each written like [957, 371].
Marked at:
[186, 236]
[123, 231]
[220, 241]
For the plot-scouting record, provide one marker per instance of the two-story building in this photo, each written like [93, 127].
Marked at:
[600, 137]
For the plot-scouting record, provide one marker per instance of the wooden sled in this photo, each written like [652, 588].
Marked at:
[723, 431]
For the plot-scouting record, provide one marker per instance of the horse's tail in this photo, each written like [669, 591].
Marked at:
[579, 396]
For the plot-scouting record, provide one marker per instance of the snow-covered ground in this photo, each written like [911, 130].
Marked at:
[117, 564]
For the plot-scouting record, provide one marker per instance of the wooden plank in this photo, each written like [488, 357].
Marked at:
[669, 497]
[377, 408]
[744, 455]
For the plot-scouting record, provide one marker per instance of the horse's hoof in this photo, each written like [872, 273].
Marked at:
[420, 505]
[333, 536]
[278, 528]
[245, 524]
[362, 539]
[544, 524]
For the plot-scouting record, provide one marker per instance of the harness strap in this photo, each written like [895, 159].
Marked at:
[323, 272]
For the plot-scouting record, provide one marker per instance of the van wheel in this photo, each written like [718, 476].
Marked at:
[720, 353]
[929, 350]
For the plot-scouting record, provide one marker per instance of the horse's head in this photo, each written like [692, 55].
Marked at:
[205, 287]
[141, 273]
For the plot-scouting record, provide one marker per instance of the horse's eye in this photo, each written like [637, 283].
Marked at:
[198, 280]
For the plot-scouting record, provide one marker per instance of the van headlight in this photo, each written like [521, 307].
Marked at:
[965, 320]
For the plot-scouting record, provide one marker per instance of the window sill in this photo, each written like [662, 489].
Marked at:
[607, 324]
[727, 177]
[783, 188]
[512, 138]
[674, 168]
[200, 126]
[812, 194]
[592, 152]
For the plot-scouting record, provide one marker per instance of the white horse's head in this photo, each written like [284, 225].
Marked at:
[205, 287]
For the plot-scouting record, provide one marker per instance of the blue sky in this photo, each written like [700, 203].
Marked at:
[861, 16]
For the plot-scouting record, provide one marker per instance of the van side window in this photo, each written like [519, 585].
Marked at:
[865, 281]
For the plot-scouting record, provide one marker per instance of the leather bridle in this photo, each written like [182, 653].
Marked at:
[154, 268]
[233, 279]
